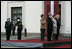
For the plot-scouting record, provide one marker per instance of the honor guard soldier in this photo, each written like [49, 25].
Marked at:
[19, 28]
[8, 27]
[13, 29]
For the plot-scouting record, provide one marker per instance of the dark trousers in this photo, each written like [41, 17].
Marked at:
[42, 34]
[54, 37]
[57, 34]
[8, 33]
[19, 34]
[13, 31]
[49, 33]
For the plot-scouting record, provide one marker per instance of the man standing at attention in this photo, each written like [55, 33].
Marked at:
[8, 27]
[49, 26]
[19, 28]
[58, 26]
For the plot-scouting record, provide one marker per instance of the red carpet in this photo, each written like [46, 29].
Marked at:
[38, 40]
[53, 44]
[63, 46]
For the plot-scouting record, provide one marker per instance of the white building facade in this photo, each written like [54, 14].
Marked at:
[31, 11]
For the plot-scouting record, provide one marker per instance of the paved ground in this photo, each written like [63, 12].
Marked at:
[29, 36]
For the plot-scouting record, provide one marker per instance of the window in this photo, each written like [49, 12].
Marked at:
[16, 12]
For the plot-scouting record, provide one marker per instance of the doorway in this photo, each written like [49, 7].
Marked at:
[16, 12]
[47, 8]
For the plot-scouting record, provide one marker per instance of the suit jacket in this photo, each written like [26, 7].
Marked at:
[49, 23]
[58, 23]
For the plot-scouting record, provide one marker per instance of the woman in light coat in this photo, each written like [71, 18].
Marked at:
[54, 27]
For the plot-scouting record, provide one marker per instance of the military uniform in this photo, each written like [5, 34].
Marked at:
[8, 27]
[19, 29]
[14, 28]
[42, 29]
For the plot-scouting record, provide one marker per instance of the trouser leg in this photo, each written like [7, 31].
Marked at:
[49, 35]
[13, 31]
[19, 34]
[54, 37]
[57, 36]
[42, 34]
[8, 33]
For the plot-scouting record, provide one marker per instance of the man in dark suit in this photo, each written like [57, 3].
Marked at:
[49, 26]
[58, 26]
[8, 27]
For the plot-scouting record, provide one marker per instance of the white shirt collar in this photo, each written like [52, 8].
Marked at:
[50, 16]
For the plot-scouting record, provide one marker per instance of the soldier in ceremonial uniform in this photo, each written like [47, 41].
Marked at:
[19, 28]
[13, 30]
[8, 27]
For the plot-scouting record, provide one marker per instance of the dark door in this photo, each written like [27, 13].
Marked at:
[47, 7]
[16, 12]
